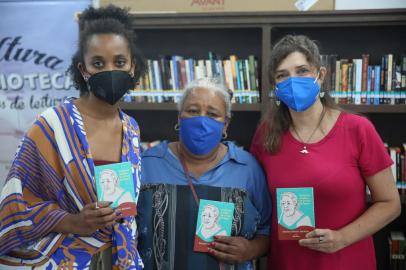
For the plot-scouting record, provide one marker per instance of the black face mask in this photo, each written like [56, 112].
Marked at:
[110, 86]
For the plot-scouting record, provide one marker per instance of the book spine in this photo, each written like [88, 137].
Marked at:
[157, 80]
[350, 88]
[221, 70]
[256, 74]
[373, 78]
[175, 73]
[237, 71]
[393, 82]
[337, 87]
[251, 61]
[403, 73]
[389, 79]
[192, 69]
[344, 81]
[151, 74]
[233, 60]
[398, 172]
[403, 79]
[243, 75]
[404, 170]
[392, 153]
[157, 75]
[358, 80]
[187, 68]
[377, 84]
[209, 70]
[215, 72]
[153, 83]
[369, 82]
[202, 68]
[247, 71]
[227, 74]
[364, 82]
[197, 71]
[162, 69]
[238, 98]
[398, 82]
[182, 72]
[382, 84]
[172, 74]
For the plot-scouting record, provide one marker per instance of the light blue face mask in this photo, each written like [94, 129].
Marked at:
[200, 134]
[298, 93]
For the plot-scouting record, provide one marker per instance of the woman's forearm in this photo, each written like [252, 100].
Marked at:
[375, 218]
[66, 225]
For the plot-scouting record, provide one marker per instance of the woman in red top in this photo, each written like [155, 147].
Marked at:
[306, 141]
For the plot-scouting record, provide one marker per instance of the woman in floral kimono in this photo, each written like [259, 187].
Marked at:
[50, 217]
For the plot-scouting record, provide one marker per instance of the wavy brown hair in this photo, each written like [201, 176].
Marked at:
[278, 120]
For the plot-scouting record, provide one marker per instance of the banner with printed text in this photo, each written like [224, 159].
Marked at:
[37, 41]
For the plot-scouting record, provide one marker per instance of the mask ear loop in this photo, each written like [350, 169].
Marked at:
[321, 93]
[277, 101]
[317, 77]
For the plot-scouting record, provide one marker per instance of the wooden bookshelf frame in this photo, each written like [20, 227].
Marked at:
[389, 120]
[170, 106]
[250, 19]
[266, 21]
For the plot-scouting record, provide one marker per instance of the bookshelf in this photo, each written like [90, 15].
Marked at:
[170, 106]
[345, 33]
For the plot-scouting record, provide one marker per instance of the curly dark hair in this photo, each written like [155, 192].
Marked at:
[104, 20]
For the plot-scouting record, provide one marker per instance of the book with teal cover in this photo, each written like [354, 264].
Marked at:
[213, 218]
[115, 183]
[295, 207]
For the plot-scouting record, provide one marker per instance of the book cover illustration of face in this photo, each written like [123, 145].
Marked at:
[214, 218]
[295, 212]
[115, 183]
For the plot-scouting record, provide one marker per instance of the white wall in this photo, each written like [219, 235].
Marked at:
[369, 4]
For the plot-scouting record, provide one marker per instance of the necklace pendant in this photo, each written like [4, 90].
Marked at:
[304, 151]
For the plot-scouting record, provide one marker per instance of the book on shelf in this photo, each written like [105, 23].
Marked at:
[173, 73]
[397, 249]
[359, 81]
[364, 78]
[397, 154]
[344, 81]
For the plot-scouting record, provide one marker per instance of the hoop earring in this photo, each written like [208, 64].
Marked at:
[176, 127]
[322, 94]
[86, 78]
[224, 135]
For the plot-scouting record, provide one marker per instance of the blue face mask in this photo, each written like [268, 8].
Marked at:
[200, 134]
[298, 93]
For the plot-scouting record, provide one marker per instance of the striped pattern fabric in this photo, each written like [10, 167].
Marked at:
[53, 175]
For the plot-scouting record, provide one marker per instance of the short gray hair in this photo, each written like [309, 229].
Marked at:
[211, 84]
